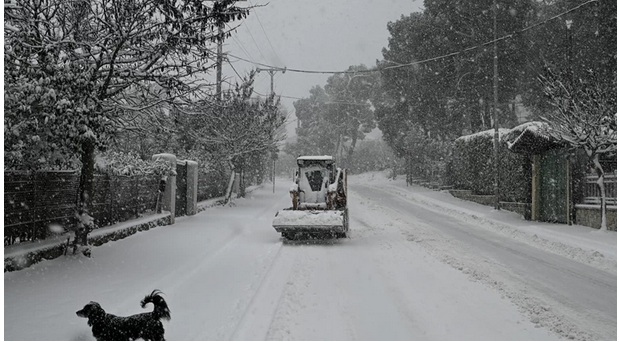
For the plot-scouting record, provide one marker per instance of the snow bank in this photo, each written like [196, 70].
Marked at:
[584, 244]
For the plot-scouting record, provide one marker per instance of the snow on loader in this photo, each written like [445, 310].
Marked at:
[318, 200]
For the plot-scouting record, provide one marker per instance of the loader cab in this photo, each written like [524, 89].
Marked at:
[314, 175]
[316, 167]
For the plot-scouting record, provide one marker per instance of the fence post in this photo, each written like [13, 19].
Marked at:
[136, 198]
[34, 207]
[169, 195]
[192, 187]
[110, 211]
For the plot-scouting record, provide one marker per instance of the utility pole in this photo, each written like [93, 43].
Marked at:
[219, 61]
[272, 72]
[220, 41]
[495, 87]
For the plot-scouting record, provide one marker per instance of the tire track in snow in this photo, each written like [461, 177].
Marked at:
[259, 313]
[245, 254]
[310, 307]
[206, 255]
[408, 327]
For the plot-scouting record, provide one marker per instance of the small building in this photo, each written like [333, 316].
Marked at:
[557, 175]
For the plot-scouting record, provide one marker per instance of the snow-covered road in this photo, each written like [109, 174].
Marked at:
[571, 298]
[418, 265]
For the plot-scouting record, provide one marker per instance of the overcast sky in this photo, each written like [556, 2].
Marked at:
[311, 34]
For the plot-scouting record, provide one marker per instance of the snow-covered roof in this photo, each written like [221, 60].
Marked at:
[531, 138]
[536, 127]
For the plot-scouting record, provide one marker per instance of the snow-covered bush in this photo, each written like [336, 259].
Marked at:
[471, 167]
[130, 164]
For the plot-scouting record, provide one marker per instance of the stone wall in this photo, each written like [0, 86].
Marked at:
[468, 195]
[26, 255]
[589, 215]
[523, 209]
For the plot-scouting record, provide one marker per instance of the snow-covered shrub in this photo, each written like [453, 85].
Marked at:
[130, 164]
[471, 167]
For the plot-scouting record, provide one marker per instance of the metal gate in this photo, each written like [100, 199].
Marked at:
[554, 201]
[181, 189]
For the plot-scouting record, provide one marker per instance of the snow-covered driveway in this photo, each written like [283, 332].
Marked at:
[410, 270]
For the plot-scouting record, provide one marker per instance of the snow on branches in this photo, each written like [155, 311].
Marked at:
[129, 164]
[73, 66]
[585, 116]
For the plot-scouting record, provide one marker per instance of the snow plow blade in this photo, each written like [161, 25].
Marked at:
[311, 221]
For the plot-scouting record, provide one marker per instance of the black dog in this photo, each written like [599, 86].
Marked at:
[147, 325]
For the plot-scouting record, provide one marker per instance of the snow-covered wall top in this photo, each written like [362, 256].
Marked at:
[315, 158]
[488, 133]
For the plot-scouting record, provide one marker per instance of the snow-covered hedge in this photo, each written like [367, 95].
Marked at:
[472, 167]
[129, 164]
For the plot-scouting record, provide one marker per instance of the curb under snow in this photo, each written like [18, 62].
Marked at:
[23, 255]
[537, 239]
[20, 256]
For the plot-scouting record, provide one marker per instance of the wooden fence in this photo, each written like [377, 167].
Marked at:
[35, 203]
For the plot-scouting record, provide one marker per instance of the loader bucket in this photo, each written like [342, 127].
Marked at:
[311, 221]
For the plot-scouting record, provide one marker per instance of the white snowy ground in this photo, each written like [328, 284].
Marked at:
[419, 265]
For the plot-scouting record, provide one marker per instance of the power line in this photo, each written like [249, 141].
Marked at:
[255, 43]
[328, 102]
[432, 59]
[233, 68]
[241, 46]
[265, 33]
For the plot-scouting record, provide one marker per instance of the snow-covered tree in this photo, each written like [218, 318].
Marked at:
[73, 66]
[585, 116]
[349, 109]
[452, 96]
[314, 134]
[240, 130]
[573, 45]
[334, 118]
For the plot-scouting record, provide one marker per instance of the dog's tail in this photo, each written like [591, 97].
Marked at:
[161, 310]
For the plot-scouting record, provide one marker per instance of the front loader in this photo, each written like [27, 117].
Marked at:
[318, 200]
